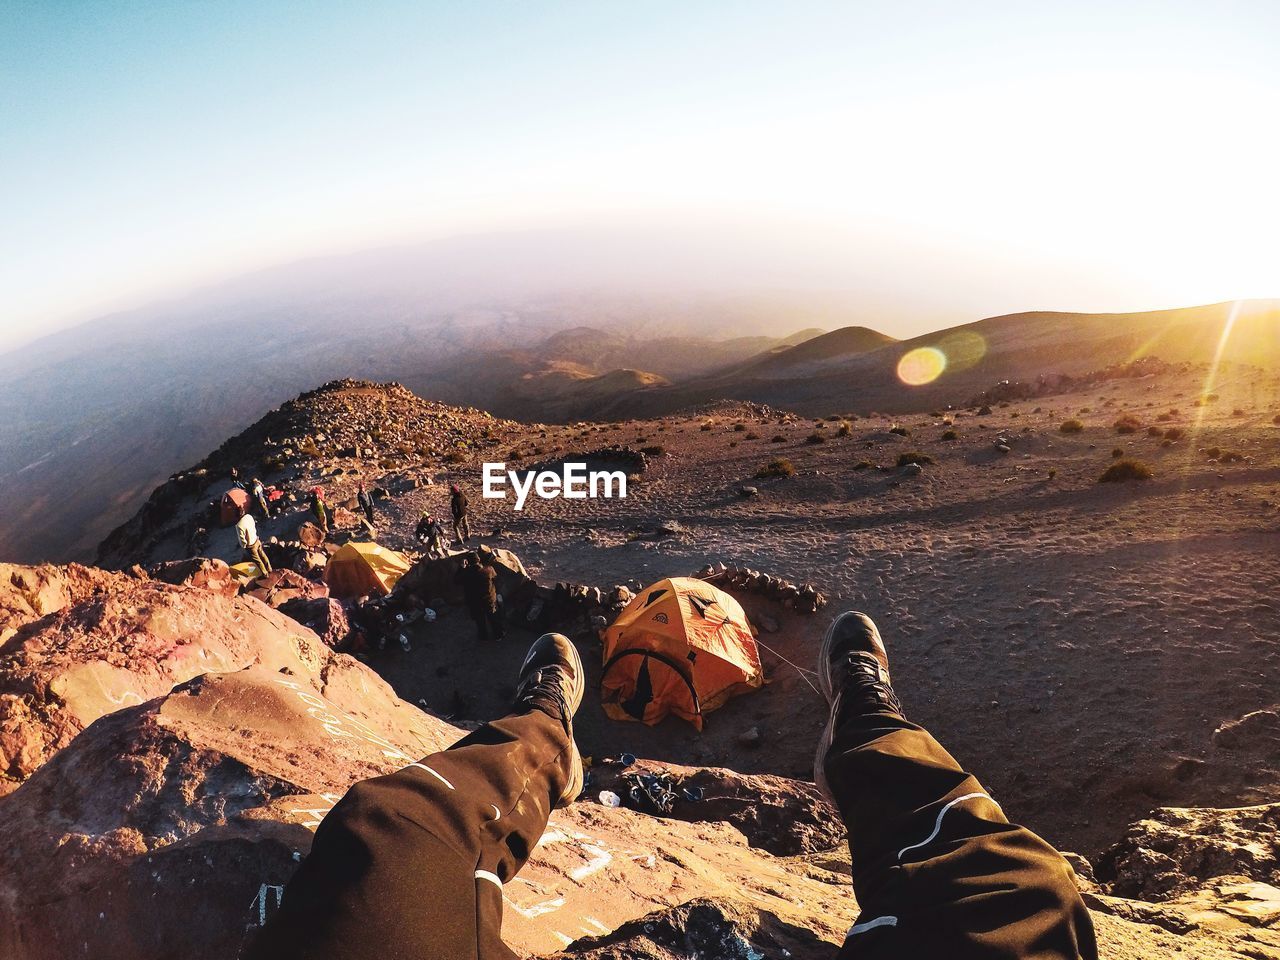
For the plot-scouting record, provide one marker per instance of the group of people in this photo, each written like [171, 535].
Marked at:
[430, 531]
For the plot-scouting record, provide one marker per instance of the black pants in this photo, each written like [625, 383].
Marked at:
[411, 864]
[461, 529]
[488, 623]
[938, 870]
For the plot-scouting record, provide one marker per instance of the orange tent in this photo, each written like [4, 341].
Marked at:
[681, 646]
[234, 505]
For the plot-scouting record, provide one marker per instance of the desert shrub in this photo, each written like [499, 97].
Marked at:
[778, 438]
[913, 456]
[1084, 409]
[984, 411]
[863, 465]
[1071, 426]
[1124, 470]
[1053, 472]
[1224, 456]
[1238, 412]
[1117, 453]
[751, 435]
[781, 467]
[900, 431]
[705, 428]
[815, 437]
[1276, 419]
[514, 455]
[949, 435]
[834, 418]
[739, 427]
[1127, 424]
[455, 456]
[1173, 433]
[1154, 431]
[844, 430]
[732, 444]
[655, 451]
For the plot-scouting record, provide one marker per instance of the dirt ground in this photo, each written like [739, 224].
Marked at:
[1074, 643]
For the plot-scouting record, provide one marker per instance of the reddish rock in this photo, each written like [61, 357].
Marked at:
[325, 617]
[210, 787]
[29, 593]
[207, 572]
[112, 650]
[281, 586]
[784, 816]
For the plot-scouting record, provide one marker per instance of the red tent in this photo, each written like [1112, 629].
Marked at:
[235, 504]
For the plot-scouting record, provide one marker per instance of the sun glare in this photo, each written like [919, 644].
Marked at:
[921, 365]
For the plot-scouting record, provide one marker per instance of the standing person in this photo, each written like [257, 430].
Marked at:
[479, 589]
[259, 493]
[939, 872]
[247, 534]
[320, 509]
[430, 533]
[366, 503]
[461, 514]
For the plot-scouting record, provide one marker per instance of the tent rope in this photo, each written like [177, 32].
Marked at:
[798, 669]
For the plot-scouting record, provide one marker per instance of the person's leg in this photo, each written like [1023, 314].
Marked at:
[481, 618]
[937, 868]
[260, 554]
[466, 527]
[457, 530]
[412, 864]
[496, 628]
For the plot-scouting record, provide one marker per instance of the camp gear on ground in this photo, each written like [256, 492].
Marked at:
[360, 569]
[681, 646]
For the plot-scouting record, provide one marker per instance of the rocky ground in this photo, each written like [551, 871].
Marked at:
[1103, 656]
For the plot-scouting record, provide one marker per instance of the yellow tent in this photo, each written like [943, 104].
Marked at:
[358, 569]
[246, 571]
[681, 646]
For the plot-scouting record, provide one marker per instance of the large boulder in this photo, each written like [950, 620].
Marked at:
[327, 618]
[208, 572]
[201, 802]
[281, 586]
[125, 646]
[29, 593]
[436, 578]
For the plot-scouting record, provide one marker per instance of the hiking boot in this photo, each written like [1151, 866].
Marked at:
[853, 672]
[552, 680]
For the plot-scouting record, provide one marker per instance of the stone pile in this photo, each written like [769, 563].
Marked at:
[802, 598]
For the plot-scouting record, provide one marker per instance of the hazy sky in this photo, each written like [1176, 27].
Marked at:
[1109, 155]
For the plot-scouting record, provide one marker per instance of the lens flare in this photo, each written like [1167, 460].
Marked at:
[921, 365]
[963, 349]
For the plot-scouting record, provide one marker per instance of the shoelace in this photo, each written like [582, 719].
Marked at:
[546, 683]
[865, 671]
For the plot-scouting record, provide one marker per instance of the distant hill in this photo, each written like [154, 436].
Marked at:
[845, 342]
[979, 354]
